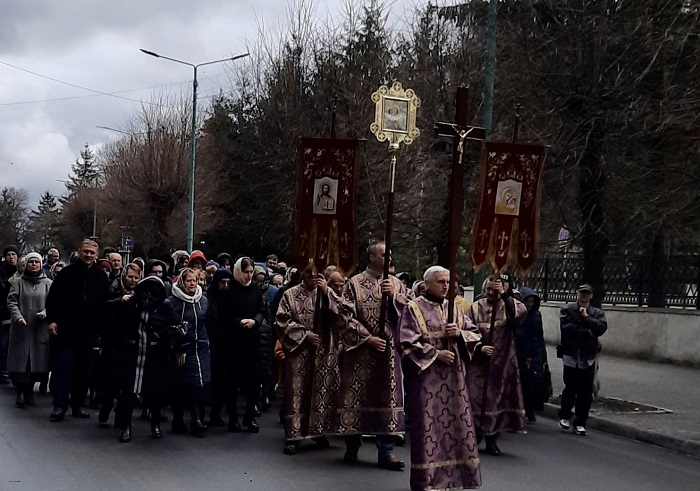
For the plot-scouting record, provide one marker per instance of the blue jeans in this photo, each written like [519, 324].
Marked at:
[385, 445]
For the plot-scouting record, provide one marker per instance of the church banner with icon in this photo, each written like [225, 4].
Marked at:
[506, 231]
[326, 185]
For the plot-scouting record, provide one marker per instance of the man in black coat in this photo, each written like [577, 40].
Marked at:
[74, 308]
[8, 267]
[581, 325]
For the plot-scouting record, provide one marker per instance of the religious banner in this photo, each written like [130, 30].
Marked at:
[506, 230]
[325, 223]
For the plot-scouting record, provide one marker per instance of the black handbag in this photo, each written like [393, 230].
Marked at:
[546, 385]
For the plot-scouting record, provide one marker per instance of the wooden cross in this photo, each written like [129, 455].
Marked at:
[460, 131]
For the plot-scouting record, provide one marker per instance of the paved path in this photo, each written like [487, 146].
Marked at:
[662, 385]
[36, 455]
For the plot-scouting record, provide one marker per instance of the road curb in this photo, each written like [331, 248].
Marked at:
[625, 430]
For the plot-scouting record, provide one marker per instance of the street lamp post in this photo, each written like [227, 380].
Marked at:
[193, 141]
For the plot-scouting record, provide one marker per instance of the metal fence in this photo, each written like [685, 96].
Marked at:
[671, 281]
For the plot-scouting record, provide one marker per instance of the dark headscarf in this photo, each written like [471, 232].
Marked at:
[220, 274]
[155, 286]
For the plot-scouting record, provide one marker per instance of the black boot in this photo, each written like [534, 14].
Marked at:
[197, 428]
[491, 446]
[251, 426]
[20, 398]
[233, 425]
[29, 395]
[156, 432]
[126, 434]
[215, 418]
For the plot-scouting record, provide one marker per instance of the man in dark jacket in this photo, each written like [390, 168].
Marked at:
[581, 325]
[8, 267]
[74, 307]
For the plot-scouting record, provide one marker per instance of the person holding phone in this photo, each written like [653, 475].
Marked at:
[581, 325]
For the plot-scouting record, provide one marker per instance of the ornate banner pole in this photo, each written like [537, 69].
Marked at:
[395, 122]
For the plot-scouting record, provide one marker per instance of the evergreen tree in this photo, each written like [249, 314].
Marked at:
[13, 217]
[42, 222]
[84, 173]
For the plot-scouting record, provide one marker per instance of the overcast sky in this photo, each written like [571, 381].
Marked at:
[96, 44]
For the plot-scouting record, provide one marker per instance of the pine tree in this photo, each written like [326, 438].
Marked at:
[42, 222]
[84, 174]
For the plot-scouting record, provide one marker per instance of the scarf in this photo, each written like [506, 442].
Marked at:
[238, 272]
[180, 292]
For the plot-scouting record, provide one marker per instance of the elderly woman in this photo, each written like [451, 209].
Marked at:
[28, 354]
[106, 371]
[143, 355]
[185, 312]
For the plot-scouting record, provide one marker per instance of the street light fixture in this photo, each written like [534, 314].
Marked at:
[193, 141]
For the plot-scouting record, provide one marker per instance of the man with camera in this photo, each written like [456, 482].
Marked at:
[581, 325]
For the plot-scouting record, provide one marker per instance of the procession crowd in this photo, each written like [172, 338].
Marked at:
[353, 356]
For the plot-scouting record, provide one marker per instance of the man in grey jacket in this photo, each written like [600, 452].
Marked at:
[581, 325]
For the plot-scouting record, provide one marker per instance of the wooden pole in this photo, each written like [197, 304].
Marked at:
[456, 196]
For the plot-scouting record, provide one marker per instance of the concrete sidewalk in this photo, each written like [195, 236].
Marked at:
[656, 384]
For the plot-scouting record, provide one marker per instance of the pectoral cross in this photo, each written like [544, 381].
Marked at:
[459, 131]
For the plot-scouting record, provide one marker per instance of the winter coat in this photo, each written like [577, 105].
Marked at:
[76, 303]
[31, 342]
[194, 344]
[529, 336]
[579, 336]
[6, 272]
[144, 366]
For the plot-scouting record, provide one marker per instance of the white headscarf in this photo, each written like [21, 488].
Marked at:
[238, 272]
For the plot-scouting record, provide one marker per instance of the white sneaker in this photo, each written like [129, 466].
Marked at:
[565, 424]
[580, 430]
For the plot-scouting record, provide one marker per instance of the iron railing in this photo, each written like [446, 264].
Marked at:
[669, 281]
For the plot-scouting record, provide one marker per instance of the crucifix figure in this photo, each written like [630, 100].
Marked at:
[460, 132]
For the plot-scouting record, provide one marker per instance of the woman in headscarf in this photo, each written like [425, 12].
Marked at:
[143, 360]
[216, 330]
[185, 311]
[106, 370]
[28, 352]
[243, 314]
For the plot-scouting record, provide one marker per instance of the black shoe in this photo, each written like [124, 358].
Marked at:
[197, 428]
[391, 463]
[156, 432]
[531, 418]
[29, 398]
[234, 426]
[103, 415]
[126, 435]
[256, 411]
[350, 456]
[20, 403]
[58, 414]
[251, 426]
[492, 447]
[215, 421]
[43, 387]
[179, 427]
[146, 414]
[79, 413]
[290, 449]
[265, 404]
[322, 442]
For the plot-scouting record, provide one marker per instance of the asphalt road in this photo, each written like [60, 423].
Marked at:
[36, 454]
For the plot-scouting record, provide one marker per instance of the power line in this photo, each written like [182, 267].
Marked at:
[97, 92]
[80, 86]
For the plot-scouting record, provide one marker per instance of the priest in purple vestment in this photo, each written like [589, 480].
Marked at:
[371, 393]
[309, 339]
[503, 407]
[444, 453]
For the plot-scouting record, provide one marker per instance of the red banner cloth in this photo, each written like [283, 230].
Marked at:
[506, 230]
[326, 189]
